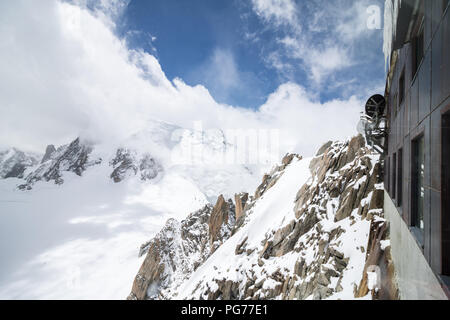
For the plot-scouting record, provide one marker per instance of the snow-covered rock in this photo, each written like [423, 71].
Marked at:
[74, 157]
[128, 162]
[308, 232]
[180, 248]
[14, 163]
[48, 153]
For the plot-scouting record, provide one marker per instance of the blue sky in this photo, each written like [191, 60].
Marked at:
[236, 49]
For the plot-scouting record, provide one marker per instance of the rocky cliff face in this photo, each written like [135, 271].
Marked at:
[49, 151]
[221, 222]
[314, 229]
[240, 201]
[180, 248]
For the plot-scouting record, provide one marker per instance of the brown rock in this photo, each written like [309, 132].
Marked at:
[298, 269]
[354, 146]
[241, 201]
[347, 205]
[377, 201]
[287, 159]
[324, 148]
[282, 233]
[218, 218]
[263, 186]
[239, 249]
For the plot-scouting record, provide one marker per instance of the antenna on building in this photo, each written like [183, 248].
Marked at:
[373, 123]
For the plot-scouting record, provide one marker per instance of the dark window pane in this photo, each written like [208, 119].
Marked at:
[401, 90]
[395, 105]
[394, 176]
[400, 178]
[418, 186]
[446, 194]
[418, 48]
[388, 174]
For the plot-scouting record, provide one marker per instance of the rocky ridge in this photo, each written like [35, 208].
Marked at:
[76, 157]
[323, 247]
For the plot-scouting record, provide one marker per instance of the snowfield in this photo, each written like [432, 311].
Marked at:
[81, 240]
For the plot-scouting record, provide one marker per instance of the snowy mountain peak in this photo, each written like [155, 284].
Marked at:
[74, 157]
[14, 163]
[48, 153]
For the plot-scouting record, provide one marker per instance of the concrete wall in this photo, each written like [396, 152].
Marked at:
[415, 279]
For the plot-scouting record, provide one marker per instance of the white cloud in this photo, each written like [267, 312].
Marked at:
[72, 76]
[306, 123]
[323, 63]
[320, 60]
[107, 10]
[221, 73]
[280, 12]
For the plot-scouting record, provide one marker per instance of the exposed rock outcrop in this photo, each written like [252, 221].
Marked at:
[240, 201]
[127, 163]
[221, 222]
[379, 262]
[174, 253]
[180, 248]
[48, 153]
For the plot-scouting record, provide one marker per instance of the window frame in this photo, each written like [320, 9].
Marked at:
[395, 104]
[400, 178]
[418, 38]
[394, 176]
[416, 230]
[401, 88]
[388, 174]
[445, 190]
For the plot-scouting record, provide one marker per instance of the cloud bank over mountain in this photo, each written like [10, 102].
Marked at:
[66, 73]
